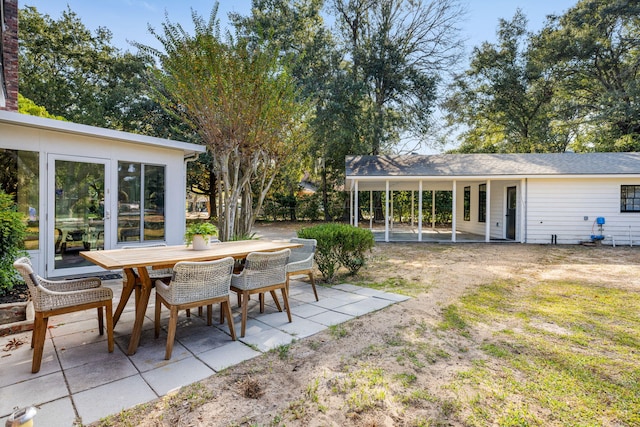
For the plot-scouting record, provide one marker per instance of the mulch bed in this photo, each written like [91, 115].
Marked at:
[19, 293]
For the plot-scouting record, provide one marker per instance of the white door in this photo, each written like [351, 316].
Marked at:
[78, 212]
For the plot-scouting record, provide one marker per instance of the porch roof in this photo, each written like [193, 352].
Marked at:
[78, 129]
[439, 171]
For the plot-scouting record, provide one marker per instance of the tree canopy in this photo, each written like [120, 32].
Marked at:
[242, 102]
[573, 85]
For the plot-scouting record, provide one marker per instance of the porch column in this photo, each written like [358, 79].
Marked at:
[487, 217]
[371, 214]
[433, 209]
[351, 206]
[356, 209]
[453, 211]
[523, 210]
[420, 211]
[386, 212]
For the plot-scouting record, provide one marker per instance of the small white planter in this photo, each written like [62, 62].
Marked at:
[200, 242]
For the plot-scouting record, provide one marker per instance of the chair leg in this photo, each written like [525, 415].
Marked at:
[225, 306]
[245, 303]
[100, 321]
[200, 311]
[156, 323]
[313, 285]
[239, 299]
[188, 312]
[109, 315]
[286, 302]
[41, 332]
[275, 299]
[209, 313]
[261, 299]
[171, 333]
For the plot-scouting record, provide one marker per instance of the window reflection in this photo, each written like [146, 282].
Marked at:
[19, 177]
[140, 201]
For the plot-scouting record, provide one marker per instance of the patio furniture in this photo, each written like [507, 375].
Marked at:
[263, 272]
[51, 298]
[301, 261]
[129, 285]
[195, 284]
[138, 259]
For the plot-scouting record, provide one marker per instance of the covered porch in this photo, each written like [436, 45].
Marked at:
[482, 207]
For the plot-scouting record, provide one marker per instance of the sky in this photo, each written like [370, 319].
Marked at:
[128, 20]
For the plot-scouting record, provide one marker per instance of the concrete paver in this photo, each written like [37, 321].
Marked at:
[79, 381]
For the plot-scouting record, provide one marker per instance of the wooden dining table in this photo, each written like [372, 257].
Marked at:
[134, 263]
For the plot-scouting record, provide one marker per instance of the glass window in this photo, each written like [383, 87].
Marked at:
[19, 176]
[467, 203]
[482, 203]
[630, 198]
[141, 207]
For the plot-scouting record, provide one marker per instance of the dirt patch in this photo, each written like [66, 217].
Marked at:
[359, 377]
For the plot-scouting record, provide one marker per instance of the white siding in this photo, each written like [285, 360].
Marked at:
[497, 212]
[568, 208]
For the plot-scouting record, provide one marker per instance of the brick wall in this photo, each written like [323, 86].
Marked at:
[10, 54]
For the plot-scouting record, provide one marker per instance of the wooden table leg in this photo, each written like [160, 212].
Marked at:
[127, 290]
[141, 308]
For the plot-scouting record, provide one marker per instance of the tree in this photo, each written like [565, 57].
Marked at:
[595, 46]
[504, 100]
[80, 76]
[398, 50]
[243, 104]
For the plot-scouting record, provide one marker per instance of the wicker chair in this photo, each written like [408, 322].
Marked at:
[263, 272]
[301, 261]
[195, 284]
[51, 298]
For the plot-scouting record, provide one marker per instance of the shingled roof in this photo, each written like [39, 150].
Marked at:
[453, 165]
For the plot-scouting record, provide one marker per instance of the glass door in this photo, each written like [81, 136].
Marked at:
[78, 207]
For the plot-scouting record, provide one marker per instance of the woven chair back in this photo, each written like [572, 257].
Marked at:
[265, 268]
[195, 281]
[303, 252]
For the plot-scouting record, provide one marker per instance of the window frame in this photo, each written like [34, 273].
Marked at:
[482, 203]
[467, 203]
[625, 197]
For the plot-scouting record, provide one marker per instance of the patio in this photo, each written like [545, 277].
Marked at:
[80, 381]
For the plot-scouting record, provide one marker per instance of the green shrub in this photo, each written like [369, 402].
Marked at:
[354, 242]
[12, 233]
[339, 244]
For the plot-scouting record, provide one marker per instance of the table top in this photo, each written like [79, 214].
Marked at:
[167, 256]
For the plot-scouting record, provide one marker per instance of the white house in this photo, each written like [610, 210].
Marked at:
[529, 198]
[89, 188]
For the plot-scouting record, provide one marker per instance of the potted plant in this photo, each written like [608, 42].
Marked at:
[199, 234]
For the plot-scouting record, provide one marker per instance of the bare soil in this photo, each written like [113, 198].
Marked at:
[315, 381]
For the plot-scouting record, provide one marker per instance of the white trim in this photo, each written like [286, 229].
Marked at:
[355, 213]
[487, 215]
[454, 211]
[25, 120]
[386, 213]
[420, 212]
